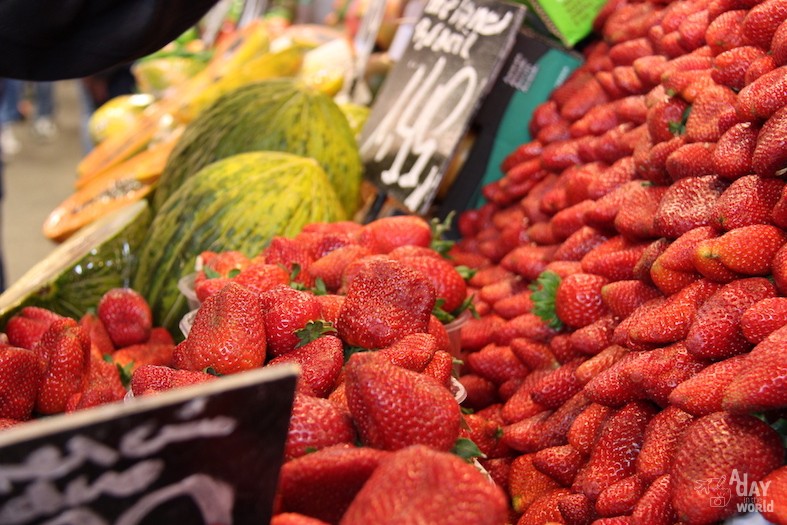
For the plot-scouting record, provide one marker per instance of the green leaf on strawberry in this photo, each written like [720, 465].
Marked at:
[544, 290]
[439, 243]
[466, 449]
[125, 372]
[466, 272]
[679, 128]
[312, 331]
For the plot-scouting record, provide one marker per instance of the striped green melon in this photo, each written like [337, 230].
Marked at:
[237, 203]
[276, 115]
[74, 276]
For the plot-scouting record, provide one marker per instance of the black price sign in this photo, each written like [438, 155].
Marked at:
[430, 95]
[208, 454]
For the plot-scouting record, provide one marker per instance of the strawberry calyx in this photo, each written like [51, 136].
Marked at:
[312, 331]
[124, 371]
[466, 449]
[212, 371]
[544, 291]
[210, 273]
[679, 128]
[439, 228]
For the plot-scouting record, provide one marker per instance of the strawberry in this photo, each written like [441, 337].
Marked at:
[497, 363]
[595, 337]
[759, 385]
[126, 316]
[544, 509]
[729, 67]
[441, 368]
[620, 172]
[286, 310]
[748, 250]
[533, 354]
[779, 45]
[702, 394]
[650, 253]
[635, 218]
[543, 114]
[660, 443]
[762, 20]
[764, 96]
[527, 261]
[498, 470]
[588, 95]
[620, 498]
[387, 233]
[204, 288]
[228, 333]
[599, 362]
[694, 159]
[578, 244]
[436, 480]
[614, 455]
[526, 325]
[655, 505]
[260, 277]
[553, 390]
[65, 351]
[560, 463]
[99, 337]
[514, 305]
[526, 483]
[577, 300]
[769, 158]
[625, 53]
[330, 267]
[481, 392]
[760, 67]
[486, 434]
[687, 204]
[324, 483]
[320, 360]
[103, 385]
[598, 120]
[663, 368]
[339, 227]
[294, 257]
[449, 285]
[330, 306]
[149, 379]
[712, 113]
[293, 518]
[620, 383]
[763, 318]
[21, 375]
[664, 118]
[25, 328]
[623, 297]
[715, 332]
[133, 356]
[725, 32]
[699, 473]
[748, 200]
[384, 302]
[651, 161]
[576, 508]
[772, 502]
[546, 429]
[393, 407]
[315, 424]
[587, 426]
[413, 352]
[221, 264]
[477, 333]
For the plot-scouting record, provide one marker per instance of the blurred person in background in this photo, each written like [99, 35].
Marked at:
[44, 40]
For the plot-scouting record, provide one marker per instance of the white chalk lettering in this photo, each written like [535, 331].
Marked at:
[138, 442]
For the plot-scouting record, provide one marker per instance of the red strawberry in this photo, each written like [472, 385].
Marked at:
[687, 204]
[760, 67]
[477, 333]
[481, 392]
[527, 261]
[545, 113]
[614, 455]
[663, 368]
[595, 337]
[330, 267]
[449, 285]
[545, 508]
[21, 375]
[748, 200]
[764, 96]
[534, 354]
[578, 244]
[625, 53]
[324, 483]
[570, 219]
[330, 305]
[99, 337]
[497, 363]
[221, 264]
[607, 207]
[394, 408]
[770, 157]
[291, 255]
[599, 362]
[149, 379]
[315, 424]
[620, 172]
[759, 385]
[623, 297]
[514, 305]
[587, 426]
[413, 351]
[486, 434]
[701, 476]
[660, 443]
[702, 394]
[387, 233]
[748, 250]
[441, 368]
[578, 299]
[560, 463]
[716, 331]
[763, 318]
[293, 518]
[651, 161]
[286, 310]
[554, 389]
[204, 288]
[729, 67]
[576, 508]
[620, 498]
[664, 119]
[725, 32]
[65, 350]
[618, 384]
[321, 362]
[712, 113]
[25, 328]
[772, 501]
[779, 45]
[762, 21]
[526, 483]
[547, 429]
[133, 356]
[779, 212]
[384, 302]
[126, 316]
[261, 277]
[228, 333]
[694, 159]
[635, 218]
[526, 325]
[436, 480]
[650, 253]
[655, 505]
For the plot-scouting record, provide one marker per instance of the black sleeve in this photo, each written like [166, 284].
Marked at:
[59, 39]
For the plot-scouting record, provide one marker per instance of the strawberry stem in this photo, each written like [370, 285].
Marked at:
[466, 449]
[543, 297]
[312, 331]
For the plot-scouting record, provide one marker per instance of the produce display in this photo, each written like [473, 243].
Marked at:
[620, 299]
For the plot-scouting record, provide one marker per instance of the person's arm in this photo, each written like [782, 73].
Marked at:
[59, 39]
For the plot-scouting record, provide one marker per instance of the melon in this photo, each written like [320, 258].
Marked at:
[236, 203]
[272, 115]
[73, 277]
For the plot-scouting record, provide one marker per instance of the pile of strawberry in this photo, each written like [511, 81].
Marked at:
[629, 362]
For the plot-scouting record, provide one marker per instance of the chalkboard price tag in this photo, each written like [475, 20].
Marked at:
[209, 453]
[430, 95]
